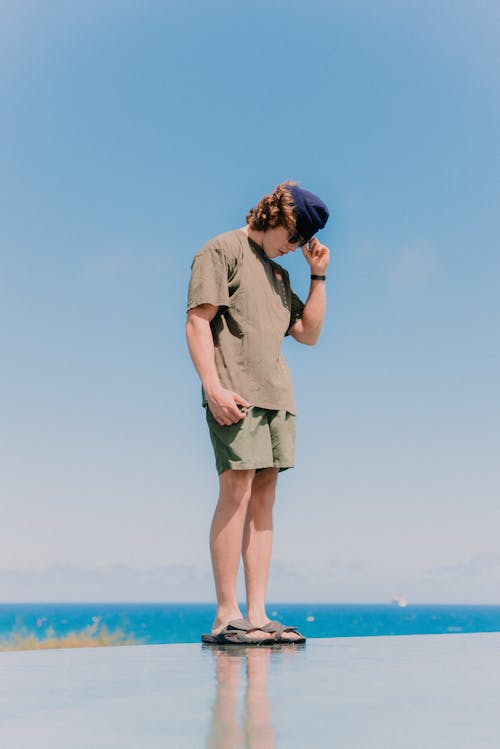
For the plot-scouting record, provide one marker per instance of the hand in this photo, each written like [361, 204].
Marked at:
[224, 406]
[317, 255]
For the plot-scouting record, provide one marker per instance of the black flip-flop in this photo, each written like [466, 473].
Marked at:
[234, 634]
[277, 629]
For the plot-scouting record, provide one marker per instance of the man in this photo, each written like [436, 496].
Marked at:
[240, 305]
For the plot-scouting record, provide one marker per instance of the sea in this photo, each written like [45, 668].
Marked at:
[163, 623]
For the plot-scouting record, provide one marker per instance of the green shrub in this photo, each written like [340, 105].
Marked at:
[92, 636]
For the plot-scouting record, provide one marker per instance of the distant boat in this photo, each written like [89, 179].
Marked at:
[399, 601]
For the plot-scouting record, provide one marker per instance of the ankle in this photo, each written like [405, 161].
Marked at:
[225, 615]
[257, 616]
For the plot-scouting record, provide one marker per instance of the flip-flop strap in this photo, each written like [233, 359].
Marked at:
[240, 624]
[278, 628]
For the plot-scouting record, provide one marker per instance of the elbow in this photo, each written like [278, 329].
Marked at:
[312, 340]
[311, 336]
[309, 332]
[190, 329]
[308, 339]
[191, 323]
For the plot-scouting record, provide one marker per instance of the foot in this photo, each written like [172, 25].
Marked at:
[281, 632]
[255, 633]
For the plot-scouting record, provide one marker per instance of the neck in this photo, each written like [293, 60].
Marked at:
[255, 236]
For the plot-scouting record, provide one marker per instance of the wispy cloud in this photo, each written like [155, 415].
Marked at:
[480, 565]
[474, 580]
[404, 266]
[114, 583]
[347, 568]
[180, 583]
[412, 265]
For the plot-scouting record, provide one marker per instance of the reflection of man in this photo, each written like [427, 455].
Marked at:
[256, 731]
[240, 305]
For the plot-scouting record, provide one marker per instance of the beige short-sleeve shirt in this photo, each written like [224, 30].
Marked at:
[256, 309]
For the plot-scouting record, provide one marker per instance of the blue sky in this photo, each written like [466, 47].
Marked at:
[130, 134]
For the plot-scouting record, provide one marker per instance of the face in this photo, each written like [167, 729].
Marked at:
[276, 242]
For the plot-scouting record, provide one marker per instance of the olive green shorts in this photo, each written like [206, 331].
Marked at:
[263, 439]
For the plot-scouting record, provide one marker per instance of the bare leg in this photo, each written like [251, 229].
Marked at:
[257, 546]
[258, 542]
[226, 537]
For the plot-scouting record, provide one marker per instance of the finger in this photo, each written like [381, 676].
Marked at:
[240, 400]
[231, 421]
[231, 418]
[235, 414]
[222, 417]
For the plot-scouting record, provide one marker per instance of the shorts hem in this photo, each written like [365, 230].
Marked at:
[253, 467]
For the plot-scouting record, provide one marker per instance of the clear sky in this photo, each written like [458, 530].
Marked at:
[130, 133]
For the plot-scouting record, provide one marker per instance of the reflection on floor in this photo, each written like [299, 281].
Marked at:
[238, 668]
[422, 691]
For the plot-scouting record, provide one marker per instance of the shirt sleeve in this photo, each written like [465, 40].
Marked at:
[209, 279]
[296, 311]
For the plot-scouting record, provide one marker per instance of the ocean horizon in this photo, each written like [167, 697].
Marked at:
[169, 623]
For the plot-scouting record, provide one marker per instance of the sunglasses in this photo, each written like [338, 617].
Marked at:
[296, 239]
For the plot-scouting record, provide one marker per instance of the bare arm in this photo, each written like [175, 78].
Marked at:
[223, 403]
[307, 329]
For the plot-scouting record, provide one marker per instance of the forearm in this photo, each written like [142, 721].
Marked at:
[202, 351]
[308, 327]
[314, 312]
[225, 405]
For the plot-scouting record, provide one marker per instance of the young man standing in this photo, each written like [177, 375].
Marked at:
[240, 305]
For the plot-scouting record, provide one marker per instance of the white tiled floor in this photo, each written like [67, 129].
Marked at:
[424, 691]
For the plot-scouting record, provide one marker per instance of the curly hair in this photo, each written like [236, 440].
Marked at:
[275, 209]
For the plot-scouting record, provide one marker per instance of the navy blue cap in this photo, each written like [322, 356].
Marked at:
[310, 212]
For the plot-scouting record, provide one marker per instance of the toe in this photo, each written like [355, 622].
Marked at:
[258, 634]
[290, 636]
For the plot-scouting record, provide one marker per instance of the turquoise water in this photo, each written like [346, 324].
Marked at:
[157, 623]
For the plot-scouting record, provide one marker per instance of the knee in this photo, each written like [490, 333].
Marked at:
[236, 487]
[264, 490]
[262, 500]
